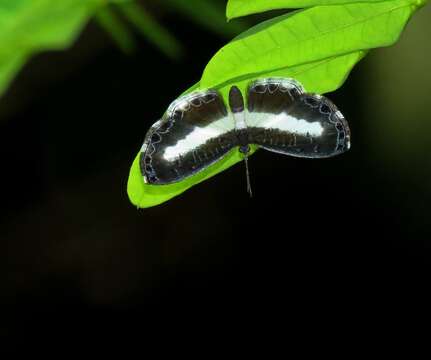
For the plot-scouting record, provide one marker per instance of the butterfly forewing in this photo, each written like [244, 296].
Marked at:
[195, 132]
[284, 119]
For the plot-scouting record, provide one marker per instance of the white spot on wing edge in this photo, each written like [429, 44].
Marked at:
[339, 114]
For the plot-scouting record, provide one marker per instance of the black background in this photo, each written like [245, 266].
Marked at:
[321, 241]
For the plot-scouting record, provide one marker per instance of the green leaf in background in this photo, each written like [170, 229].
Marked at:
[151, 29]
[119, 32]
[238, 8]
[318, 47]
[209, 14]
[28, 27]
[31, 26]
[9, 67]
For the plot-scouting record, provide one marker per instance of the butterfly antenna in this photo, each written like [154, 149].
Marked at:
[247, 174]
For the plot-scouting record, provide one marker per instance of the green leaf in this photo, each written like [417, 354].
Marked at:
[318, 47]
[9, 67]
[31, 26]
[238, 8]
[307, 36]
[318, 76]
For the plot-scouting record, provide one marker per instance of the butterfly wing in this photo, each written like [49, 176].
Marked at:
[284, 119]
[195, 132]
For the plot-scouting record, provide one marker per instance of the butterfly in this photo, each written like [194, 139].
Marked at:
[198, 129]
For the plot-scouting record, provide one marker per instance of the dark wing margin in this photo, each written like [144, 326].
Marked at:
[283, 119]
[195, 132]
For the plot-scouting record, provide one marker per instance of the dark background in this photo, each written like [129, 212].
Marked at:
[321, 240]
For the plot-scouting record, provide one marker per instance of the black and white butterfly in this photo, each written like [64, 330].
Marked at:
[198, 129]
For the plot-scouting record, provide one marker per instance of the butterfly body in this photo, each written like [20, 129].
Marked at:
[198, 129]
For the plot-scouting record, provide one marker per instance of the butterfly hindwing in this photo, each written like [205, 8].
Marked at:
[284, 119]
[195, 132]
